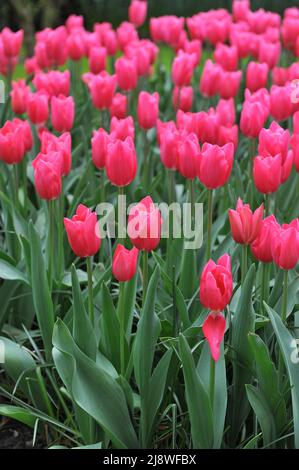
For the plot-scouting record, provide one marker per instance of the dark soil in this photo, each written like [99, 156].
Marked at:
[14, 435]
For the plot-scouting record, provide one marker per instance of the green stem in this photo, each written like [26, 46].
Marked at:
[210, 222]
[122, 333]
[175, 314]
[23, 168]
[51, 209]
[145, 175]
[60, 213]
[244, 263]
[102, 186]
[171, 186]
[145, 275]
[16, 185]
[267, 205]
[90, 291]
[212, 381]
[284, 297]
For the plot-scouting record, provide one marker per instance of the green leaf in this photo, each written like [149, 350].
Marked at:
[19, 414]
[109, 327]
[220, 398]
[288, 348]
[40, 291]
[268, 382]
[242, 358]
[263, 413]
[198, 401]
[83, 331]
[96, 392]
[11, 273]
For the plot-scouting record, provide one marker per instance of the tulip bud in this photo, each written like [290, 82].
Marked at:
[144, 227]
[147, 109]
[38, 107]
[273, 141]
[99, 144]
[227, 57]
[121, 162]
[12, 42]
[137, 12]
[124, 263]
[19, 96]
[213, 329]
[256, 76]
[75, 46]
[280, 103]
[245, 225]
[62, 113]
[267, 173]
[83, 232]
[189, 156]
[182, 68]
[97, 59]
[169, 148]
[126, 72]
[47, 174]
[215, 165]
[122, 128]
[216, 284]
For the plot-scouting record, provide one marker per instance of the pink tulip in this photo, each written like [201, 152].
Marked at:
[215, 165]
[245, 225]
[147, 109]
[62, 113]
[213, 329]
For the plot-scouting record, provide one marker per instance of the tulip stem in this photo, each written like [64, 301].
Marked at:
[51, 208]
[90, 291]
[267, 205]
[210, 223]
[212, 381]
[60, 213]
[145, 275]
[284, 297]
[122, 333]
[244, 263]
[16, 185]
[171, 186]
[145, 159]
[102, 186]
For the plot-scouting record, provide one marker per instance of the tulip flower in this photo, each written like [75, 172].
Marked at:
[84, 238]
[19, 96]
[267, 173]
[99, 144]
[47, 174]
[122, 128]
[245, 225]
[55, 40]
[269, 53]
[38, 107]
[182, 98]
[285, 246]
[206, 126]
[280, 103]
[169, 148]
[253, 118]
[82, 232]
[226, 56]
[126, 72]
[256, 76]
[27, 134]
[241, 10]
[261, 246]
[137, 12]
[213, 329]
[210, 79]
[295, 149]
[188, 156]
[124, 263]
[75, 46]
[182, 69]
[144, 227]
[97, 59]
[62, 113]
[118, 107]
[216, 284]
[229, 84]
[53, 83]
[273, 141]
[126, 34]
[147, 109]
[12, 42]
[215, 165]
[102, 89]
[121, 162]
[12, 144]
[227, 135]
[141, 56]
[193, 47]
[63, 144]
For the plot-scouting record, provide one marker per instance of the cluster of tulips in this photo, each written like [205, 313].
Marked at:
[198, 147]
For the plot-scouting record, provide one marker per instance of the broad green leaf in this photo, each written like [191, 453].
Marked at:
[40, 290]
[288, 348]
[96, 392]
[83, 332]
[198, 401]
[263, 413]
[109, 327]
[11, 273]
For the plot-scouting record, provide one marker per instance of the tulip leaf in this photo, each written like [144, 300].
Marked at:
[242, 357]
[40, 291]
[19, 414]
[110, 329]
[220, 398]
[263, 413]
[288, 347]
[11, 273]
[198, 401]
[96, 392]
